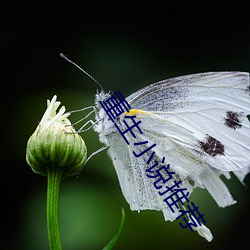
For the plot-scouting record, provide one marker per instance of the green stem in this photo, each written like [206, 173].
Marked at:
[54, 177]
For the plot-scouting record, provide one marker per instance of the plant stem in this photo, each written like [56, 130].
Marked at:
[54, 177]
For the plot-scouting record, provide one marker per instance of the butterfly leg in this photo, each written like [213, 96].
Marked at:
[86, 116]
[81, 129]
[92, 154]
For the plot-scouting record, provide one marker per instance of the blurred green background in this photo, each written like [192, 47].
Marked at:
[125, 45]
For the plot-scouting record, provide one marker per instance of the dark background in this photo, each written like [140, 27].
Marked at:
[125, 45]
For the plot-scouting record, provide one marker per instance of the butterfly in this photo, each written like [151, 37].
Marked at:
[201, 124]
[200, 127]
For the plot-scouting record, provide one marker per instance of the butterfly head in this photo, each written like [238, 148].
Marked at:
[104, 126]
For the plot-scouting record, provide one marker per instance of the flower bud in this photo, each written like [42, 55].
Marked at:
[55, 144]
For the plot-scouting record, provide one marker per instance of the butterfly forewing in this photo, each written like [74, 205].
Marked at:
[213, 107]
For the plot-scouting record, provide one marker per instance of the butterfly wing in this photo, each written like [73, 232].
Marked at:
[137, 188]
[199, 125]
[213, 107]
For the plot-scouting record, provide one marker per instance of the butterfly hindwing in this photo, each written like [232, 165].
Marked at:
[137, 188]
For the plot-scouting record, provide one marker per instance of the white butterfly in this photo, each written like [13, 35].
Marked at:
[199, 124]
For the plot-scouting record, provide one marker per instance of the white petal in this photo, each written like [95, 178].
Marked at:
[51, 114]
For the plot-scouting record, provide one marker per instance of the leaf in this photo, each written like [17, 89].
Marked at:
[117, 234]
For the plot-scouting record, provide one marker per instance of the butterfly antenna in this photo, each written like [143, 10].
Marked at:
[86, 73]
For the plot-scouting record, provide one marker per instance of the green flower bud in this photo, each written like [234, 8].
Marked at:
[55, 144]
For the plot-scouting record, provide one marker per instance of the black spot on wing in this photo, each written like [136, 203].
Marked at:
[248, 89]
[212, 146]
[233, 119]
[248, 117]
[191, 181]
